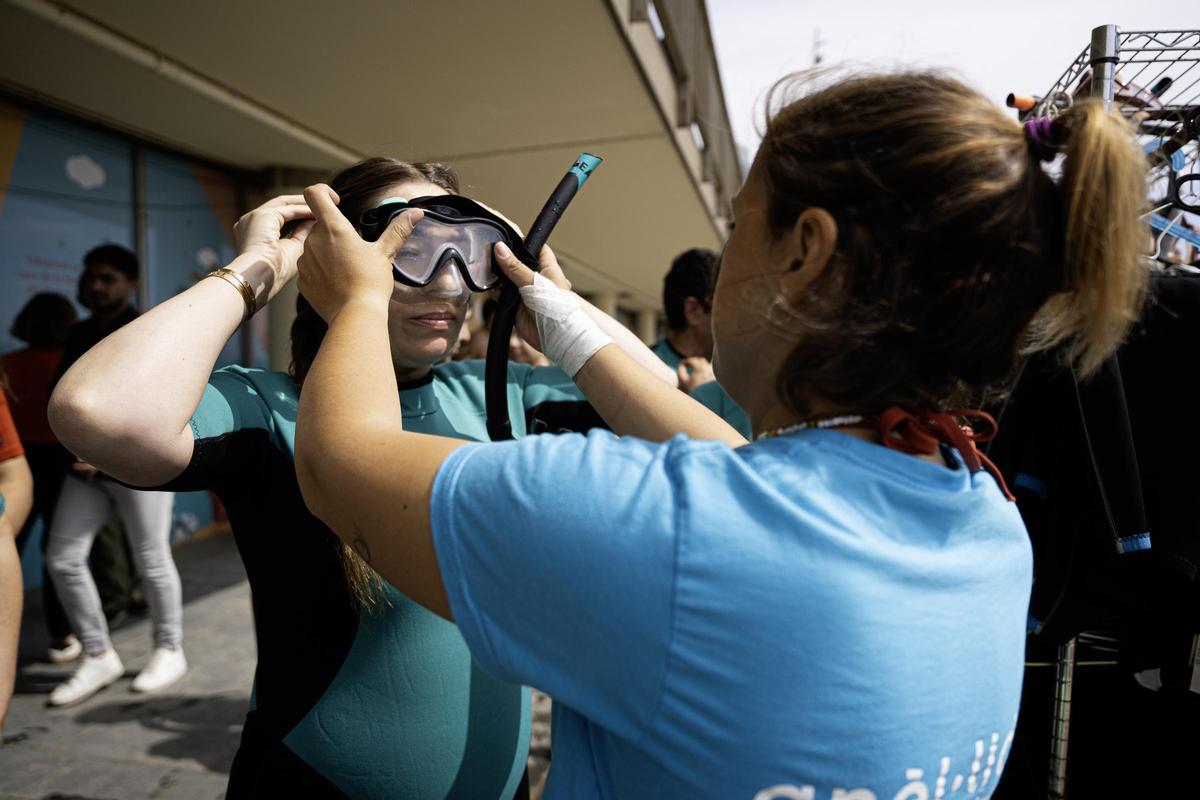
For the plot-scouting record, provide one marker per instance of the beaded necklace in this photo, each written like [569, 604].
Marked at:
[818, 423]
[916, 433]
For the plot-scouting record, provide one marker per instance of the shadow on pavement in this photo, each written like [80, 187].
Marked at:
[203, 728]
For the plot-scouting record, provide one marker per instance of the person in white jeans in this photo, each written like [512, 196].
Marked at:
[83, 507]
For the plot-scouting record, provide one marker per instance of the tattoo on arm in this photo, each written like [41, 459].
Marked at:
[359, 545]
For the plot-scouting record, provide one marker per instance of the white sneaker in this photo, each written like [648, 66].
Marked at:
[166, 666]
[70, 651]
[92, 675]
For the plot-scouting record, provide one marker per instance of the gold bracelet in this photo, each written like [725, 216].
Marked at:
[239, 282]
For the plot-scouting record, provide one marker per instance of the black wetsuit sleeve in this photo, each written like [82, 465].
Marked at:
[554, 404]
[563, 416]
[231, 427]
[218, 462]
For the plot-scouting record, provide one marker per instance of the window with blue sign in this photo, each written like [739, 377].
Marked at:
[66, 187]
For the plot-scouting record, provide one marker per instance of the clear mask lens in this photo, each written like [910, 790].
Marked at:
[432, 241]
[446, 286]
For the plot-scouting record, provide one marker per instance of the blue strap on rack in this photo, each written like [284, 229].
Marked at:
[1178, 160]
[1161, 223]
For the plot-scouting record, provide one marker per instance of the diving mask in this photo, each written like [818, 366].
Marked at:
[455, 232]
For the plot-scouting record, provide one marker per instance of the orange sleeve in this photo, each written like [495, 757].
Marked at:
[10, 443]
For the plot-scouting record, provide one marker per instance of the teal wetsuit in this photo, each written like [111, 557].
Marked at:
[668, 354]
[718, 401]
[710, 395]
[350, 702]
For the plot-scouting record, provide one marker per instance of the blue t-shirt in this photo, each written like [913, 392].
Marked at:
[788, 619]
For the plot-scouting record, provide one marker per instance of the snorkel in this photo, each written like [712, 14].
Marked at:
[499, 424]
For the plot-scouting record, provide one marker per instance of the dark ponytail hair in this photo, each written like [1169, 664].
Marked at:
[359, 188]
[956, 251]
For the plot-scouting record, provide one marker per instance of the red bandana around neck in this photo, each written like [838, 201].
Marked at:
[920, 433]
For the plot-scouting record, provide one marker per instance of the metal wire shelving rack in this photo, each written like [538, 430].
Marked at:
[1153, 79]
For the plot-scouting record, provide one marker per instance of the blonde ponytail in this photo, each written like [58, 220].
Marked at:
[1105, 267]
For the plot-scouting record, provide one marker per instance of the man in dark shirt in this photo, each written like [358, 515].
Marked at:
[107, 287]
[687, 294]
[688, 346]
[109, 279]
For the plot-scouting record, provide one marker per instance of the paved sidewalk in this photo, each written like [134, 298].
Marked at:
[120, 746]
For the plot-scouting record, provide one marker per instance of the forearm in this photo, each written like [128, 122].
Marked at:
[634, 347]
[360, 473]
[636, 403]
[125, 405]
[11, 595]
[351, 384]
[16, 487]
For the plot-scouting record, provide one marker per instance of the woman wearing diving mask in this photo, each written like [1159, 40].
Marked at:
[358, 691]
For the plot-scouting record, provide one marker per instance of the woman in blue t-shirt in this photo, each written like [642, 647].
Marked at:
[838, 609]
[358, 691]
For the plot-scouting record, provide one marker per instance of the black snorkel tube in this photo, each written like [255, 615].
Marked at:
[499, 425]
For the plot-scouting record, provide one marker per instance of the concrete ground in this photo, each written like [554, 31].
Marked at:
[176, 745]
[122, 746]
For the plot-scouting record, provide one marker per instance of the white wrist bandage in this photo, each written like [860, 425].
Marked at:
[569, 336]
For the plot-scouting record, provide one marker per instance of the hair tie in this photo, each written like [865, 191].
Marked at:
[1043, 139]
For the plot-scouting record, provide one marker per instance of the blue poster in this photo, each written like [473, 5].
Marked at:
[190, 212]
[64, 189]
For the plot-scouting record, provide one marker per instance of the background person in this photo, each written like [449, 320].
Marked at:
[329, 712]
[477, 346]
[16, 497]
[461, 349]
[687, 303]
[519, 350]
[688, 346]
[87, 501]
[42, 324]
[838, 609]
[107, 287]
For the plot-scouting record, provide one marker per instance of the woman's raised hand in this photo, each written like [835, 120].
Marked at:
[260, 233]
[337, 265]
[522, 275]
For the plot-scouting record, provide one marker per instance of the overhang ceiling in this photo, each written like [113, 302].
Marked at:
[508, 93]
